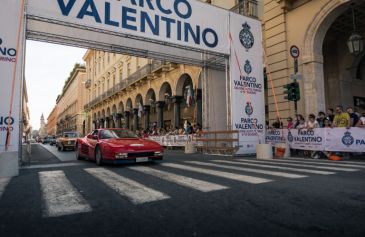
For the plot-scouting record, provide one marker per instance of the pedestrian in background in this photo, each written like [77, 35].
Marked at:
[361, 122]
[353, 116]
[341, 119]
[290, 123]
[277, 124]
[330, 115]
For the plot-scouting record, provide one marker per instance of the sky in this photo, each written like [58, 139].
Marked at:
[47, 67]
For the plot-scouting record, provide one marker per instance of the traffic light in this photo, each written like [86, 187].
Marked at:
[292, 91]
[295, 91]
[287, 92]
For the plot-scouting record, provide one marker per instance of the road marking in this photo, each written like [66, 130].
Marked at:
[331, 161]
[3, 183]
[196, 184]
[134, 191]
[273, 173]
[51, 166]
[227, 175]
[240, 162]
[60, 196]
[319, 162]
[300, 165]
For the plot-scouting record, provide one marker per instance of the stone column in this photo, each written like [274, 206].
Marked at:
[127, 115]
[160, 107]
[107, 122]
[146, 110]
[177, 112]
[135, 119]
[118, 117]
[199, 105]
[112, 121]
[312, 87]
[101, 123]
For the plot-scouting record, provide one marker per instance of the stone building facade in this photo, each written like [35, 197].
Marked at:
[70, 103]
[321, 29]
[137, 93]
[52, 122]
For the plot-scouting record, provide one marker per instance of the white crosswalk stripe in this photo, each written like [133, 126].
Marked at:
[245, 163]
[227, 175]
[300, 165]
[260, 171]
[330, 161]
[320, 162]
[196, 184]
[60, 196]
[3, 183]
[134, 191]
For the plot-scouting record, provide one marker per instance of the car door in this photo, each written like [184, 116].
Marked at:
[92, 143]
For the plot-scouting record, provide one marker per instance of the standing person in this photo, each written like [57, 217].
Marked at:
[312, 122]
[353, 116]
[330, 115]
[321, 119]
[277, 124]
[341, 119]
[361, 122]
[290, 123]
[300, 122]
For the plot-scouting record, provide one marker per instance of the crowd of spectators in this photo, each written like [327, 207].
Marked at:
[331, 119]
[170, 130]
[339, 118]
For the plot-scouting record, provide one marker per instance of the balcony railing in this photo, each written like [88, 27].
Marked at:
[247, 8]
[133, 78]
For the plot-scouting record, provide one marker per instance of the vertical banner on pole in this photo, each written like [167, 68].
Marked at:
[11, 46]
[247, 83]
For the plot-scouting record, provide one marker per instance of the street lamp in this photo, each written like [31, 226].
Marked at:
[356, 41]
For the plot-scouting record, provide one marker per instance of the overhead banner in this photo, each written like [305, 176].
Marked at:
[181, 22]
[320, 139]
[10, 69]
[247, 83]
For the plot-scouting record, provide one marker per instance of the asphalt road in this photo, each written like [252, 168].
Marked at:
[180, 197]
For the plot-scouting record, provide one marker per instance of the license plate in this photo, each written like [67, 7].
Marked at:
[142, 159]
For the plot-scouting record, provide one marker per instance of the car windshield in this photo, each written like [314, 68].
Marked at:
[107, 134]
[71, 135]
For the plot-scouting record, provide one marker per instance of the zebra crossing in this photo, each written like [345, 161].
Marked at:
[61, 197]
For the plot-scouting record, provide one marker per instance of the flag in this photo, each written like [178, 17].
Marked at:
[140, 110]
[189, 97]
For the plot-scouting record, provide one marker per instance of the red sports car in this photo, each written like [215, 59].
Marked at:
[117, 146]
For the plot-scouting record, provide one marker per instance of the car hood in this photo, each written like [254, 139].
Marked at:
[134, 144]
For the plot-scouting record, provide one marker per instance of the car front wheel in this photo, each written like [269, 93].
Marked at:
[98, 157]
[77, 151]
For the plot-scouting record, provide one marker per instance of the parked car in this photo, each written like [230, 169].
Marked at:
[117, 146]
[53, 141]
[67, 141]
[46, 140]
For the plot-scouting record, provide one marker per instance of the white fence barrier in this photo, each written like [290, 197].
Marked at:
[175, 140]
[320, 139]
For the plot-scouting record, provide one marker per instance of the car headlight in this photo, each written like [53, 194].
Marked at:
[158, 153]
[121, 155]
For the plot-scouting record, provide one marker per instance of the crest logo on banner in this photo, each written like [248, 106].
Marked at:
[247, 67]
[249, 108]
[246, 37]
[347, 139]
[290, 136]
